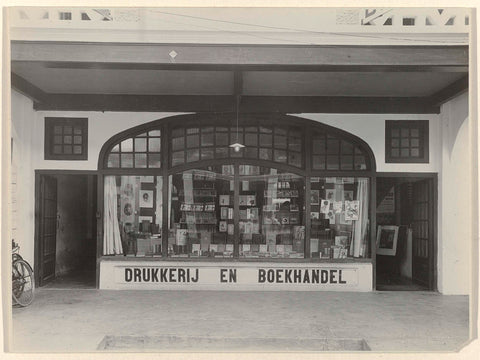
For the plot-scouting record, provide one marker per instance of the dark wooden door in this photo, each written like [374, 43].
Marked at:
[48, 228]
[423, 234]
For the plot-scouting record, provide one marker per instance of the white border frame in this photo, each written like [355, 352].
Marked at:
[383, 251]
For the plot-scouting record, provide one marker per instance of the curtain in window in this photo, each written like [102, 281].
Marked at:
[360, 226]
[112, 243]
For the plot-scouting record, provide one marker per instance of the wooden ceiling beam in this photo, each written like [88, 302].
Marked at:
[453, 90]
[272, 55]
[249, 104]
[244, 67]
[28, 89]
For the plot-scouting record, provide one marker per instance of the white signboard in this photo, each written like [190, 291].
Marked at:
[135, 275]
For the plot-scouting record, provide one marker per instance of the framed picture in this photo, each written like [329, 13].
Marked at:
[387, 236]
[146, 198]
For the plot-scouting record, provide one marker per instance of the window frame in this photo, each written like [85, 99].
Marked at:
[424, 146]
[166, 125]
[50, 123]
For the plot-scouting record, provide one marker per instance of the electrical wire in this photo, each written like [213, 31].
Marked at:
[241, 32]
[296, 30]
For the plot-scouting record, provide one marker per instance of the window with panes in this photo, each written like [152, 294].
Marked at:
[66, 138]
[406, 141]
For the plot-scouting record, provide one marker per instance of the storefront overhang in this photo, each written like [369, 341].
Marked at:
[209, 78]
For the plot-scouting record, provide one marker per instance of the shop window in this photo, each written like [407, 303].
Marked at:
[271, 218]
[339, 217]
[278, 144]
[406, 141]
[269, 223]
[331, 152]
[141, 151]
[195, 213]
[133, 205]
[66, 138]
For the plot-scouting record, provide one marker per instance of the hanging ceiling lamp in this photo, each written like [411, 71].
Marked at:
[237, 145]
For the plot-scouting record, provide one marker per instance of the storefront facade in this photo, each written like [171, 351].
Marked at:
[254, 183]
[293, 180]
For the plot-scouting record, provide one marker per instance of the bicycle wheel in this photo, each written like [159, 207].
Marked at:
[23, 283]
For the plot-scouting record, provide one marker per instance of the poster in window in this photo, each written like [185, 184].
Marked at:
[352, 210]
[387, 205]
[337, 207]
[224, 199]
[331, 217]
[315, 197]
[330, 194]
[181, 236]
[348, 195]
[222, 226]
[146, 198]
[325, 206]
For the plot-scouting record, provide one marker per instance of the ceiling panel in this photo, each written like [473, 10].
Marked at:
[125, 81]
[397, 84]
[90, 80]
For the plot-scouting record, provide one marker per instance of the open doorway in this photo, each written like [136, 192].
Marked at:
[406, 209]
[65, 236]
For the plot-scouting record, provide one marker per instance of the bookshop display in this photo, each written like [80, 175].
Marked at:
[268, 219]
[270, 215]
[136, 205]
[339, 217]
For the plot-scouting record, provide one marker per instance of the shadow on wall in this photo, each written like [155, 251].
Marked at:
[454, 115]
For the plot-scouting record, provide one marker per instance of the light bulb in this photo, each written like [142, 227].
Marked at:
[237, 146]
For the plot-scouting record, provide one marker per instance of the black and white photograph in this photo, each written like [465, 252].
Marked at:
[146, 198]
[164, 168]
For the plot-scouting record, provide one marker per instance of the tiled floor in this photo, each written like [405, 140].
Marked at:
[77, 320]
[75, 280]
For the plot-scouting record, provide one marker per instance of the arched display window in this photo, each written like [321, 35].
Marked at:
[176, 188]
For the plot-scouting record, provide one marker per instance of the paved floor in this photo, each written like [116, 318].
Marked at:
[78, 320]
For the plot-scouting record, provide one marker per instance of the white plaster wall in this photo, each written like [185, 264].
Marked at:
[371, 128]
[455, 199]
[23, 118]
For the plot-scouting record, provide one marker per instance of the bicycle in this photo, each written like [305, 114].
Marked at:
[23, 282]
